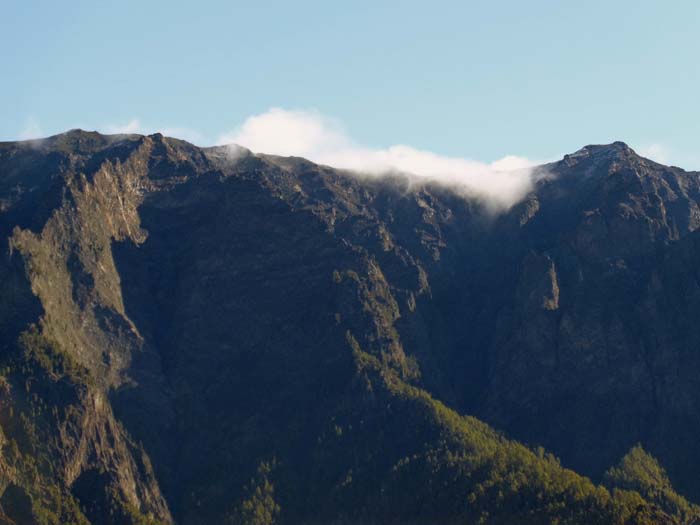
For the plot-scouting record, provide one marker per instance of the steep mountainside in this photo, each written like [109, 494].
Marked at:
[210, 336]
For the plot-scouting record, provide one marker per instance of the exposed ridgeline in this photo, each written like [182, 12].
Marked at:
[210, 336]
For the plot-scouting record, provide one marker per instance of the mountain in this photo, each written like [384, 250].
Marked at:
[206, 335]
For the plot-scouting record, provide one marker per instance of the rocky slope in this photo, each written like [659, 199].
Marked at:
[206, 336]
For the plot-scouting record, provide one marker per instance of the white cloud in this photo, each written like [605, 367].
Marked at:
[321, 139]
[318, 138]
[31, 130]
[656, 152]
[133, 126]
[664, 154]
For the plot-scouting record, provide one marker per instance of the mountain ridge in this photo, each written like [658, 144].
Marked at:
[152, 272]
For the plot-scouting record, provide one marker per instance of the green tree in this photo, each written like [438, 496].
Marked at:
[259, 506]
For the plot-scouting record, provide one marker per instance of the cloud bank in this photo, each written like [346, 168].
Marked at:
[316, 137]
[322, 140]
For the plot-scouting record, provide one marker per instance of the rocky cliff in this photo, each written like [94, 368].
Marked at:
[211, 336]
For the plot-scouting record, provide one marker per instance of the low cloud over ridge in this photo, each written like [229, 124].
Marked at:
[316, 137]
[322, 140]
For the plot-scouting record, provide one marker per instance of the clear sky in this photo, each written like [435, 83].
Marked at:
[477, 80]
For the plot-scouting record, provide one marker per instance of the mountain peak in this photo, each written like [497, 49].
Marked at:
[617, 147]
[617, 150]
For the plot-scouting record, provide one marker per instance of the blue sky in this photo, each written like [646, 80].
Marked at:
[476, 80]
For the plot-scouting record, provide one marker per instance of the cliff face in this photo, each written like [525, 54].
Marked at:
[610, 361]
[208, 335]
